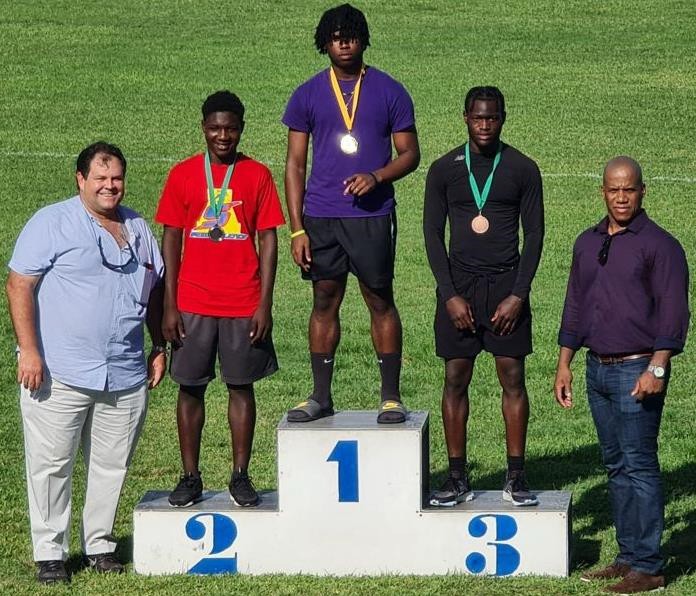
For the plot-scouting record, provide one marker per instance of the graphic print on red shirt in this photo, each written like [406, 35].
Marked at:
[220, 278]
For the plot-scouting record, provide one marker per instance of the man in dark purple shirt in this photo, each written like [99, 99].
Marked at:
[627, 301]
[344, 220]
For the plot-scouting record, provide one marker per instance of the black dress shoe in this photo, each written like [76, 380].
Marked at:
[52, 572]
[104, 563]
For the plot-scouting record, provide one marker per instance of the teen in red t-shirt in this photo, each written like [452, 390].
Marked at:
[218, 290]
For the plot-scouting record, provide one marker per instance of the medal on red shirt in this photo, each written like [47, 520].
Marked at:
[216, 234]
[348, 143]
[480, 223]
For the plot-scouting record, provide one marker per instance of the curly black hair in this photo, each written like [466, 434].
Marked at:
[347, 20]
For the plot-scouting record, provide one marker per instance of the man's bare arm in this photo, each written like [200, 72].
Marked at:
[22, 300]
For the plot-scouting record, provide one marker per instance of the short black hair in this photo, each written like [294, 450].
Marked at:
[486, 94]
[347, 20]
[84, 160]
[223, 101]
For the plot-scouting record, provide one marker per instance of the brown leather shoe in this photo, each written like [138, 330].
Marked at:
[613, 571]
[636, 582]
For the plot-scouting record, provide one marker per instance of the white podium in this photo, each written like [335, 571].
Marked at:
[351, 500]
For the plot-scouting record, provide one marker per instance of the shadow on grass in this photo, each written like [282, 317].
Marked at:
[554, 472]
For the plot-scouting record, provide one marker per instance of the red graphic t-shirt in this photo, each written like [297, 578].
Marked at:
[222, 278]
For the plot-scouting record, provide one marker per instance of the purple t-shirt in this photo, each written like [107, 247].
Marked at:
[384, 107]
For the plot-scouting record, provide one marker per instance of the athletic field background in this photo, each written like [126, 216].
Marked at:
[584, 81]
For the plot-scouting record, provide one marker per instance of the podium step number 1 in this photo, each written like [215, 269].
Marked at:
[352, 500]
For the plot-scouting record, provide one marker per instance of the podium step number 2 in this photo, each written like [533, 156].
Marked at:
[350, 501]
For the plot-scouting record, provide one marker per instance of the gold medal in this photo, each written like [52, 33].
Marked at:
[480, 224]
[349, 144]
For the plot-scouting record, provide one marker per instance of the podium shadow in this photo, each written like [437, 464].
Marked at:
[560, 471]
[679, 484]
[563, 470]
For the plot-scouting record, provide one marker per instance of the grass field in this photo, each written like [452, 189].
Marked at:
[584, 81]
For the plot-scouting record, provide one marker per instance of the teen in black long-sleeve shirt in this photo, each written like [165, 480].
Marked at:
[483, 282]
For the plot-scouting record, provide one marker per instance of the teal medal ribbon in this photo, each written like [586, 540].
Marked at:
[216, 201]
[480, 223]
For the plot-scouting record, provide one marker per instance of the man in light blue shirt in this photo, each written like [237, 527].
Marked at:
[84, 277]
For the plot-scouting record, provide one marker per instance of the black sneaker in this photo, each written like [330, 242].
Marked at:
[242, 491]
[51, 572]
[188, 491]
[104, 563]
[453, 491]
[516, 490]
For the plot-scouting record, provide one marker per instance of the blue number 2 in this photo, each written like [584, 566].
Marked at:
[345, 454]
[224, 533]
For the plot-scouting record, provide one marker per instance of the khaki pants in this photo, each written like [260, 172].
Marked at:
[56, 419]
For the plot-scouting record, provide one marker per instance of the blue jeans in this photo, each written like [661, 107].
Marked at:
[627, 430]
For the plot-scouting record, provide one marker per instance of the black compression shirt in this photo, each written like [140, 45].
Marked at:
[515, 195]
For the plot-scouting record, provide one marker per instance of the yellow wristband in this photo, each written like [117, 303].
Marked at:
[297, 233]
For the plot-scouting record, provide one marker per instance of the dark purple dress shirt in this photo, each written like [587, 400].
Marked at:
[637, 301]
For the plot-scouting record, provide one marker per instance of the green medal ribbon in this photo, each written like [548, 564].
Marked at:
[480, 196]
[216, 202]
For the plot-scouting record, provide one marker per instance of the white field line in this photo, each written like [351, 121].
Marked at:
[172, 160]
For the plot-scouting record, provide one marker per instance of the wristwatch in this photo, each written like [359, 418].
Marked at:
[159, 349]
[658, 371]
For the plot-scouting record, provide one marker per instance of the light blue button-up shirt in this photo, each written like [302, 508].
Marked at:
[92, 297]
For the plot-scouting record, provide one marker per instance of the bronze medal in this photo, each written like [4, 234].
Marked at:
[216, 234]
[480, 224]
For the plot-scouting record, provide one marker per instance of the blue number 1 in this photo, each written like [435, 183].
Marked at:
[345, 454]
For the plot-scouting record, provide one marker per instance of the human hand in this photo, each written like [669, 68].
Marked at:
[647, 385]
[156, 368]
[360, 184]
[30, 369]
[301, 253]
[563, 386]
[172, 325]
[460, 313]
[261, 324]
[506, 314]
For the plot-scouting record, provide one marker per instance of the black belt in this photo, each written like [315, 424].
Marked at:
[618, 358]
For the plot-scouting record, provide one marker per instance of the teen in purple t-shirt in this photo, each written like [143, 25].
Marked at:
[384, 108]
[343, 221]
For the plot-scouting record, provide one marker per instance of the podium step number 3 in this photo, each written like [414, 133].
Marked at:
[351, 501]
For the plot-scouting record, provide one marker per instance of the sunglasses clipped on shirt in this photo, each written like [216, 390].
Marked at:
[603, 254]
[116, 266]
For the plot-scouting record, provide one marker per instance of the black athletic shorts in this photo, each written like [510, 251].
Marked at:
[365, 246]
[483, 292]
[241, 363]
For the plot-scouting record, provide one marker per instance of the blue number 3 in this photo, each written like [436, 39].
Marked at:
[224, 532]
[507, 558]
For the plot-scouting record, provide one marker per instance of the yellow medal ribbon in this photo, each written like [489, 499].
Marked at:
[348, 119]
